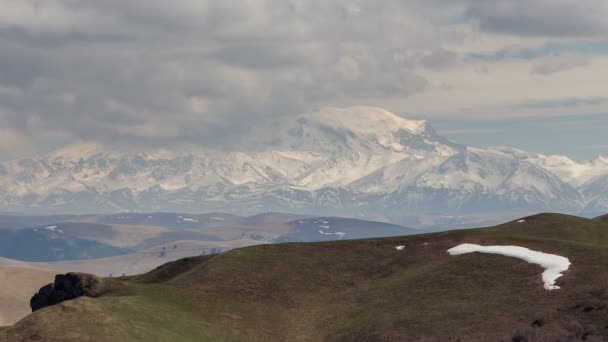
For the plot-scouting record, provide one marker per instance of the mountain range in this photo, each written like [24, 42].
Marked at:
[360, 162]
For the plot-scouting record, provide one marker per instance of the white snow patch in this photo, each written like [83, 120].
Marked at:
[324, 226]
[217, 218]
[554, 265]
[186, 219]
[400, 248]
[53, 229]
[340, 234]
[521, 221]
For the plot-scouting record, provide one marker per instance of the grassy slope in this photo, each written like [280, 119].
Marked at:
[361, 290]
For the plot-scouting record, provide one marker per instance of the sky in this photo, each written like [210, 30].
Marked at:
[523, 73]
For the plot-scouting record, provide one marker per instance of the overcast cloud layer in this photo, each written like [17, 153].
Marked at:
[204, 72]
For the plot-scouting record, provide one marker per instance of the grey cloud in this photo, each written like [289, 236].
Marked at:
[558, 63]
[20, 67]
[439, 59]
[158, 72]
[564, 103]
[540, 17]
[261, 55]
[548, 18]
[206, 71]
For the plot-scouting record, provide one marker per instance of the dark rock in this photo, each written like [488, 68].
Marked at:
[538, 323]
[66, 287]
[519, 338]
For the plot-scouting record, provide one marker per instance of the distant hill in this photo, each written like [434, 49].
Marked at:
[27, 221]
[101, 236]
[141, 261]
[161, 219]
[359, 290]
[336, 228]
[50, 243]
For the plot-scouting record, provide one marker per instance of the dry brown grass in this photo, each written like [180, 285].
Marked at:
[17, 285]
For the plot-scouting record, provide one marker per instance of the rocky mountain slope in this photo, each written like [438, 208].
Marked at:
[335, 161]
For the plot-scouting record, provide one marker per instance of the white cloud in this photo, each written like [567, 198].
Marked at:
[58, 17]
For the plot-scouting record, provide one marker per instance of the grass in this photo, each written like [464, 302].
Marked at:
[360, 290]
[167, 317]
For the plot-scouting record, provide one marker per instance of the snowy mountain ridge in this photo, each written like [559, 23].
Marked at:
[576, 173]
[354, 161]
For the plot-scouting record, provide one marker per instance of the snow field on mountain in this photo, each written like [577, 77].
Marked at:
[354, 159]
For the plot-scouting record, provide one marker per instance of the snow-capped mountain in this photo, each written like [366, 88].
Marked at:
[573, 172]
[596, 193]
[477, 179]
[358, 161]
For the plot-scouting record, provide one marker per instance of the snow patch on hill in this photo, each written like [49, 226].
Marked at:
[554, 265]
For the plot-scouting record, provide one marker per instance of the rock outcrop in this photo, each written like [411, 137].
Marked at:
[66, 287]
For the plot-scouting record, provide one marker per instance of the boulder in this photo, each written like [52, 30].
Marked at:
[65, 287]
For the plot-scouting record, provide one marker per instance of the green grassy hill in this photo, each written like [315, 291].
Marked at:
[361, 290]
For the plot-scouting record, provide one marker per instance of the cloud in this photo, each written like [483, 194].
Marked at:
[14, 143]
[157, 73]
[540, 17]
[565, 103]
[558, 63]
[439, 59]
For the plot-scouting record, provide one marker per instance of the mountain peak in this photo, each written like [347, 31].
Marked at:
[364, 120]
